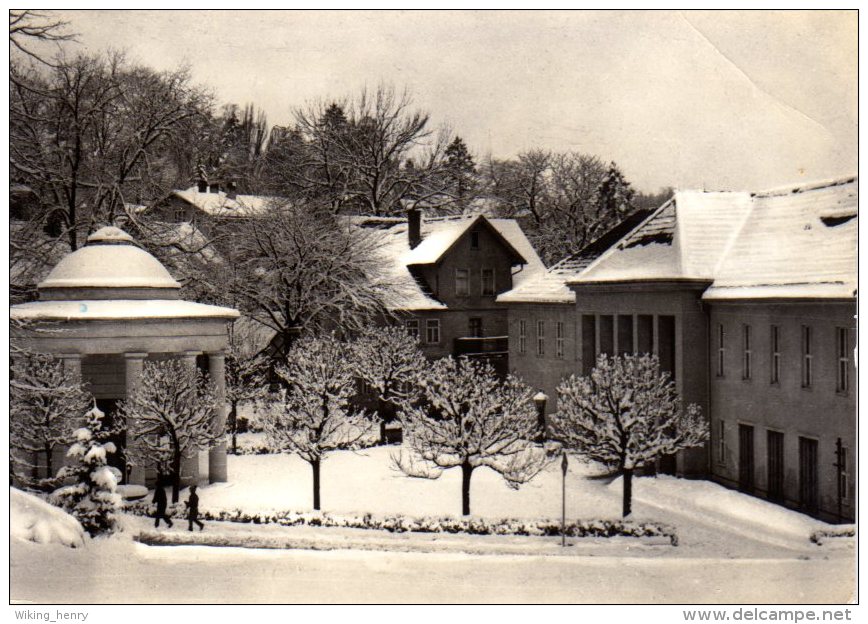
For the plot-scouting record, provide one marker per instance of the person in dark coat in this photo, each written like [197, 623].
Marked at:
[161, 503]
[193, 509]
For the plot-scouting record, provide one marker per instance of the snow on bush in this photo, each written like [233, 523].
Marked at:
[92, 498]
[822, 537]
[398, 523]
[34, 520]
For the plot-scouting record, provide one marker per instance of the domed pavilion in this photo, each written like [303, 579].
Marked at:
[109, 307]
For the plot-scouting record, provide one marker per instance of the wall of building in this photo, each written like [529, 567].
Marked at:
[676, 330]
[820, 412]
[543, 372]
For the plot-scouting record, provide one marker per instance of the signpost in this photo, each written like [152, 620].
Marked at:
[564, 499]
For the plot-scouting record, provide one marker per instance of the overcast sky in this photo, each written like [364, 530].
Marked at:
[735, 100]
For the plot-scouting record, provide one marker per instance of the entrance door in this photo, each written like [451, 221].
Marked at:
[745, 458]
[808, 483]
[775, 464]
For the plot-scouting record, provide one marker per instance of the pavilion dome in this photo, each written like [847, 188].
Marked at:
[110, 265]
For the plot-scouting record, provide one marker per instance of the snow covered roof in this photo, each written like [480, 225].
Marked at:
[109, 260]
[438, 236]
[551, 286]
[118, 309]
[683, 239]
[799, 242]
[221, 205]
[795, 242]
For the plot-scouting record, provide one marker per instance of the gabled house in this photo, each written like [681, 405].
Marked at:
[210, 202]
[448, 274]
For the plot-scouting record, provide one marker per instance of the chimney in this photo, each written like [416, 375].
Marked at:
[231, 190]
[202, 185]
[414, 227]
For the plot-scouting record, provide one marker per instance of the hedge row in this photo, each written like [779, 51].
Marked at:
[403, 524]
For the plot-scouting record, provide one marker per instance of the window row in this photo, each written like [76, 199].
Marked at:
[806, 357]
[462, 282]
[560, 338]
[432, 330]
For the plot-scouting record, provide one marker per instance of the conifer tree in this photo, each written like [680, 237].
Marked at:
[92, 498]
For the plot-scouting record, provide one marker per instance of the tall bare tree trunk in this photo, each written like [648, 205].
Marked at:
[466, 473]
[315, 465]
[628, 492]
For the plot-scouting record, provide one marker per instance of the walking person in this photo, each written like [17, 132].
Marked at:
[193, 509]
[161, 503]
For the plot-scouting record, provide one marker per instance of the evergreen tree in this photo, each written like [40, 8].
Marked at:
[92, 498]
[460, 171]
[614, 195]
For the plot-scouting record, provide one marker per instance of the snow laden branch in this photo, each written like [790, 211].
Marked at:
[626, 414]
[312, 414]
[170, 415]
[469, 418]
[45, 406]
[389, 360]
[91, 498]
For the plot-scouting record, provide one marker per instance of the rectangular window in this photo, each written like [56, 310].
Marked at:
[474, 239]
[522, 336]
[540, 338]
[721, 349]
[721, 442]
[808, 475]
[843, 339]
[487, 281]
[432, 331]
[775, 343]
[607, 334]
[413, 327]
[589, 345]
[560, 339]
[807, 356]
[462, 282]
[746, 352]
[775, 464]
[475, 327]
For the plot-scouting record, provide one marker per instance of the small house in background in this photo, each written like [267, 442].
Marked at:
[749, 301]
[110, 306]
[448, 273]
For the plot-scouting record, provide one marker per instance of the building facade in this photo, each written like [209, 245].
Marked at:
[749, 301]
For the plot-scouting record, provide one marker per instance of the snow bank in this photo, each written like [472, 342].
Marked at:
[34, 520]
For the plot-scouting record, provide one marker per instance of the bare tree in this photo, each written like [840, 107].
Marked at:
[470, 419]
[245, 379]
[170, 415]
[27, 27]
[45, 405]
[360, 150]
[300, 271]
[624, 415]
[92, 133]
[312, 415]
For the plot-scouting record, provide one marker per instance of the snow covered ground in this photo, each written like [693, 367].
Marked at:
[733, 548]
[32, 519]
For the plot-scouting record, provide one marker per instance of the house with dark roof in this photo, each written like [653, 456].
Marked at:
[749, 301]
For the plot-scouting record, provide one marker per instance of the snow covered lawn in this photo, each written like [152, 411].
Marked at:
[708, 518]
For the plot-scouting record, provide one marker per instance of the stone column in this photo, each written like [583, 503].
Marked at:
[134, 363]
[190, 461]
[217, 471]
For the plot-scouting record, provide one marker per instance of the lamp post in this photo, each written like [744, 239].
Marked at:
[540, 399]
[564, 466]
